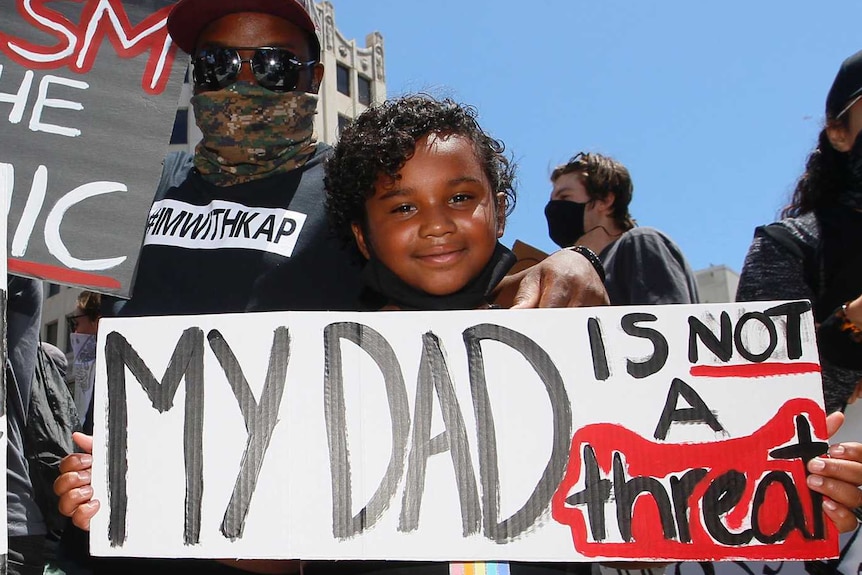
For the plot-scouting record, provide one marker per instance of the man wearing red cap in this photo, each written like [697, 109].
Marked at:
[247, 229]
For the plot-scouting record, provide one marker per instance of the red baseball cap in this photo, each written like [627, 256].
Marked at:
[189, 17]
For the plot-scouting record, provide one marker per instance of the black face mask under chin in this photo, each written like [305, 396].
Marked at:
[383, 287]
[565, 221]
[852, 197]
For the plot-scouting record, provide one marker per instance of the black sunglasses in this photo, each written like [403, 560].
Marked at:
[276, 69]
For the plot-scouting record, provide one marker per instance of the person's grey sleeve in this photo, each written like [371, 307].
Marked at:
[175, 169]
[23, 316]
[649, 272]
[772, 272]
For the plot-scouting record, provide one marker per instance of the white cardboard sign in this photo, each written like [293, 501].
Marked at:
[673, 432]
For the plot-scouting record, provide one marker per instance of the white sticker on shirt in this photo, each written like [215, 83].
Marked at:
[223, 224]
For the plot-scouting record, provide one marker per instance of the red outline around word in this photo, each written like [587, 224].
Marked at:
[746, 454]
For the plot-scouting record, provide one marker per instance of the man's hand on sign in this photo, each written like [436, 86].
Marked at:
[564, 279]
[838, 477]
[73, 484]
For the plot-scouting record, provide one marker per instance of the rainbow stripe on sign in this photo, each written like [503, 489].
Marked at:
[478, 569]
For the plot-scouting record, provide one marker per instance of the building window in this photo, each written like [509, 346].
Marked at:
[364, 89]
[51, 333]
[53, 289]
[343, 122]
[180, 134]
[342, 75]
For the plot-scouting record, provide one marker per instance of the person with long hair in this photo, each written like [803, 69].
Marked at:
[814, 252]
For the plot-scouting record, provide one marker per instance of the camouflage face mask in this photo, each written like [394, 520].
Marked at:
[250, 132]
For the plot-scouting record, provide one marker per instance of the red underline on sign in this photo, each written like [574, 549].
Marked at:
[59, 274]
[754, 369]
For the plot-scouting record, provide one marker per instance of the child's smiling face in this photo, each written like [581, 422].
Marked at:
[436, 226]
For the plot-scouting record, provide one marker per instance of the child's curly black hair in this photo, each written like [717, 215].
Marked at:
[383, 138]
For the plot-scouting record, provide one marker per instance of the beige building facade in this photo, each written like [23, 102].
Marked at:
[716, 284]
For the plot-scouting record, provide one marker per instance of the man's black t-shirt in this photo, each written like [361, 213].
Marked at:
[264, 245]
[645, 267]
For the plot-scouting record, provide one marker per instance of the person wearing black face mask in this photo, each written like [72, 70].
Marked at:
[814, 251]
[589, 207]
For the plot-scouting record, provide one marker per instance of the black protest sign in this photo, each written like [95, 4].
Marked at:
[88, 96]
[4, 541]
[681, 433]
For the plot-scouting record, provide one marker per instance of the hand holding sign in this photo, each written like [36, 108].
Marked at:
[838, 478]
[73, 484]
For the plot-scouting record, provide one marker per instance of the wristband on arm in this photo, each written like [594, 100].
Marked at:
[839, 340]
[592, 258]
[847, 325]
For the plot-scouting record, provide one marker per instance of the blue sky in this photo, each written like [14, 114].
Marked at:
[713, 107]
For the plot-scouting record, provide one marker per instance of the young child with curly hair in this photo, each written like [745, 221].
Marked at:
[422, 192]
